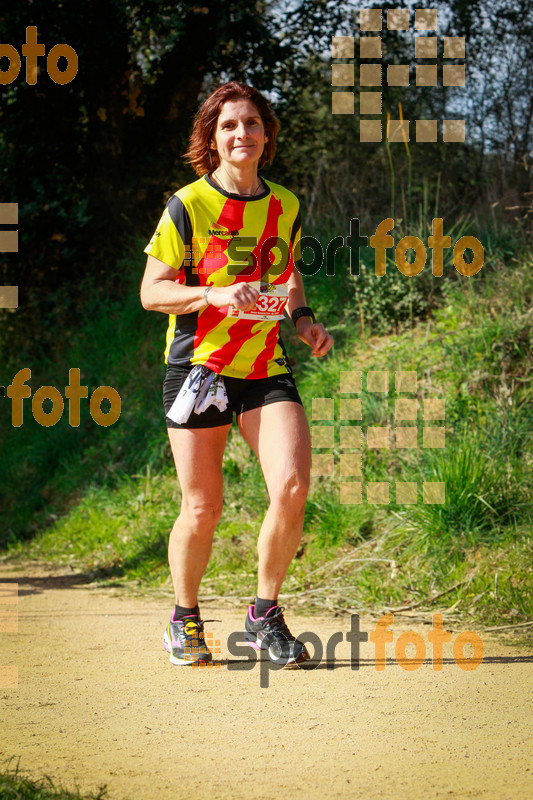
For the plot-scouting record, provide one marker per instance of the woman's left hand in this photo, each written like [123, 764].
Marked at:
[315, 335]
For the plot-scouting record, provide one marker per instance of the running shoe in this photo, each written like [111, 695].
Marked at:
[184, 640]
[271, 633]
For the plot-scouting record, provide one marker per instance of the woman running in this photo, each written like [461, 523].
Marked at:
[221, 265]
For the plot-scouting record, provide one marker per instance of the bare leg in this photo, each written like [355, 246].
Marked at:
[198, 458]
[279, 435]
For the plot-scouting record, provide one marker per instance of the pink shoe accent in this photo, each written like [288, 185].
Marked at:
[188, 615]
[254, 619]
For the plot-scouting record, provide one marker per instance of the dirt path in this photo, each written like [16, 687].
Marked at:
[99, 703]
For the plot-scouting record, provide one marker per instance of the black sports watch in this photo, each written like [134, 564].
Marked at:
[303, 311]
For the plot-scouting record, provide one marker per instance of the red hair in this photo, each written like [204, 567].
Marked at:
[206, 120]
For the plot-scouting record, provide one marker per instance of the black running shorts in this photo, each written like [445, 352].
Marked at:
[243, 395]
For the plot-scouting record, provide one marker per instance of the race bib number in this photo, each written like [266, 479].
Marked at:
[269, 305]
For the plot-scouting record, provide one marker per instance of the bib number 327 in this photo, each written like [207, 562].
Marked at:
[269, 305]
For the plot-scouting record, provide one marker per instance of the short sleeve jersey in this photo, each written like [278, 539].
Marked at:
[212, 238]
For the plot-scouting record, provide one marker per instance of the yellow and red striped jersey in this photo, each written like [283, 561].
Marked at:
[213, 238]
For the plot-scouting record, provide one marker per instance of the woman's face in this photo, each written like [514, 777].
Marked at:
[239, 136]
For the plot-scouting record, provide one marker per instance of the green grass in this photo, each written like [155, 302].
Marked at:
[117, 344]
[15, 786]
[482, 497]
[104, 500]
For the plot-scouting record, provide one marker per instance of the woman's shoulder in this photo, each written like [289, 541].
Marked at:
[282, 192]
[192, 190]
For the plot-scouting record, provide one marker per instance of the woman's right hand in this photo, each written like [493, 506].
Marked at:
[241, 295]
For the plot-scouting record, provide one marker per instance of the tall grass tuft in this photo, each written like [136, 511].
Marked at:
[480, 497]
[15, 786]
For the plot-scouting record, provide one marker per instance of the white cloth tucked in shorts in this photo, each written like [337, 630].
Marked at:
[202, 389]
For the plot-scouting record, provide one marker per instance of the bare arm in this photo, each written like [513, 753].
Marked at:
[160, 292]
[312, 333]
[296, 289]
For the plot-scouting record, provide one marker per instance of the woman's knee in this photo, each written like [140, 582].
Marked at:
[201, 514]
[291, 491]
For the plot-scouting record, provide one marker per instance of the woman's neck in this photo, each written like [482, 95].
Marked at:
[237, 181]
